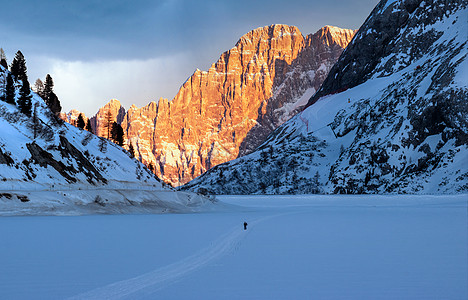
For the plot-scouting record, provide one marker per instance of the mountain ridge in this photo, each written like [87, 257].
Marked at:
[399, 128]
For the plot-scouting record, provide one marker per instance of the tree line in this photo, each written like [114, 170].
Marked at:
[112, 129]
[17, 76]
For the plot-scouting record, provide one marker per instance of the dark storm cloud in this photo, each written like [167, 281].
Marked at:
[79, 29]
[117, 29]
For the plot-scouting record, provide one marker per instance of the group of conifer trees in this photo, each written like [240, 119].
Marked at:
[46, 91]
[113, 129]
[18, 77]
[80, 123]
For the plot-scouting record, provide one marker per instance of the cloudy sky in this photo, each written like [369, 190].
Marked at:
[138, 51]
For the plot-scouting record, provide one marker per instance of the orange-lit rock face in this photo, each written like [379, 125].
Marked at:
[213, 112]
[228, 110]
[100, 119]
[72, 116]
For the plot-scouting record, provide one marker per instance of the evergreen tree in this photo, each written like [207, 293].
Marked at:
[107, 123]
[151, 167]
[24, 100]
[53, 103]
[50, 97]
[131, 150]
[9, 96]
[18, 67]
[18, 70]
[3, 60]
[88, 126]
[39, 87]
[48, 87]
[80, 123]
[117, 134]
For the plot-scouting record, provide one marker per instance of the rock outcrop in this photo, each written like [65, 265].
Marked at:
[111, 112]
[227, 111]
[72, 116]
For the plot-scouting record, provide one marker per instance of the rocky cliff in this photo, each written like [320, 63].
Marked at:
[113, 111]
[227, 111]
[391, 117]
[72, 116]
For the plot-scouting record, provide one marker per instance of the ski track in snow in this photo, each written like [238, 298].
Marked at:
[158, 279]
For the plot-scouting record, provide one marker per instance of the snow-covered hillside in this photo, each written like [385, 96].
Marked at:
[395, 123]
[51, 167]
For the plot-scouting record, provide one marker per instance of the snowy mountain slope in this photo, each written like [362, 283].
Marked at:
[395, 123]
[47, 166]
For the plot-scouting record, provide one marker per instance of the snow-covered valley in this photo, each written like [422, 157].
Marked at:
[295, 247]
[83, 218]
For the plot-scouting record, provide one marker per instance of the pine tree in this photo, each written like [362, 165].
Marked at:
[88, 126]
[3, 60]
[80, 123]
[18, 70]
[18, 67]
[151, 167]
[39, 87]
[107, 123]
[131, 150]
[9, 96]
[117, 134]
[53, 103]
[50, 97]
[48, 87]
[24, 100]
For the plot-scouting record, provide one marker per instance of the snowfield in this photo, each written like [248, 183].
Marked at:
[116, 197]
[295, 247]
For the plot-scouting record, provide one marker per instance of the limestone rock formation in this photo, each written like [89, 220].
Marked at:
[111, 112]
[227, 111]
[72, 116]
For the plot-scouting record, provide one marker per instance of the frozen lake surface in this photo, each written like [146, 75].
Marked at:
[296, 247]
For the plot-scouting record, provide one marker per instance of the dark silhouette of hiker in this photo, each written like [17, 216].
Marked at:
[245, 225]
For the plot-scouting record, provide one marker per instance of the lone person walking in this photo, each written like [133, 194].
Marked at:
[245, 225]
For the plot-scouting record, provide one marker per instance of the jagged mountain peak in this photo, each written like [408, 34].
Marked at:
[99, 122]
[114, 103]
[115, 107]
[268, 33]
[336, 35]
